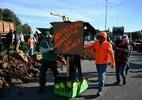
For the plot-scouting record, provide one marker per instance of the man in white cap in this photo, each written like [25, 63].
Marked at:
[125, 36]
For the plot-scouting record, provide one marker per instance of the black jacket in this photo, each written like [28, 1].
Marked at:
[9, 38]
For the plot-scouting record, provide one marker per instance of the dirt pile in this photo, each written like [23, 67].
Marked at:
[88, 55]
[16, 68]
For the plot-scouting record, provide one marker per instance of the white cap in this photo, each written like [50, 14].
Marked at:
[125, 36]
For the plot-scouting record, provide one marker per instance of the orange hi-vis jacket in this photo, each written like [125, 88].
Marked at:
[103, 52]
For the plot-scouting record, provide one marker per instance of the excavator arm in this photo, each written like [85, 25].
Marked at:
[65, 18]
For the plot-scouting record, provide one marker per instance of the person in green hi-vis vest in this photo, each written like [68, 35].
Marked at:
[49, 59]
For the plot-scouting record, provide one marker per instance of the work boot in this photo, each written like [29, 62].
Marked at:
[126, 73]
[98, 80]
[116, 83]
[99, 93]
[124, 81]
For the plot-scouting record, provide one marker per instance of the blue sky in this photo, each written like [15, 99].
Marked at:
[36, 13]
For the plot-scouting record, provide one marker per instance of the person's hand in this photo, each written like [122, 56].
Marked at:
[112, 67]
[116, 48]
[93, 50]
[83, 48]
[54, 48]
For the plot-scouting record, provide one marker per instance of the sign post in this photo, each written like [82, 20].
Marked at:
[69, 40]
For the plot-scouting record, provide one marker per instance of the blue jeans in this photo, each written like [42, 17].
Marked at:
[31, 49]
[101, 75]
[120, 70]
[43, 69]
[17, 46]
[127, 68]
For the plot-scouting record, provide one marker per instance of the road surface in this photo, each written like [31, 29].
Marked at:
[131, 91]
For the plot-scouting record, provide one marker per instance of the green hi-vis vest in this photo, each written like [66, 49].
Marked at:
[49, 55]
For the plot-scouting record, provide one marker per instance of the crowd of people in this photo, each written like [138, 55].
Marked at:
[104, 50]
[118, 53]
[14, 41]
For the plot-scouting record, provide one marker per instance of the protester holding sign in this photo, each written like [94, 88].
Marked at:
[75, 70]
[68, 39]
[103, 51]
[49, 59]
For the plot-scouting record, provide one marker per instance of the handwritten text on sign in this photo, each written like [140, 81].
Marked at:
[68, 37]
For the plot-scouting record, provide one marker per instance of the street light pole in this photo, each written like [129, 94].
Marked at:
[117, 21]
[106, 16]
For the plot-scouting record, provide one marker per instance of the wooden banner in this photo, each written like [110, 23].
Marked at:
[68, 37]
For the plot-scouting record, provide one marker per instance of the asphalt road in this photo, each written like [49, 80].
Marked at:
[131, 91]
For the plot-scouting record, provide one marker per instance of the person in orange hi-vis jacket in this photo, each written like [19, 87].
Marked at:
[103, 51]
